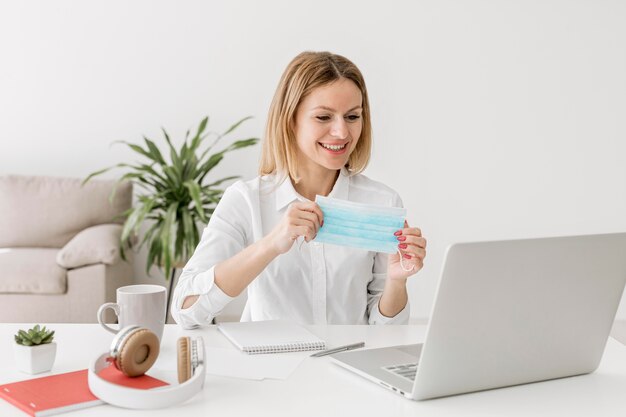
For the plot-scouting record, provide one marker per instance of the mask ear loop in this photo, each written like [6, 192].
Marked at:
[402, 264]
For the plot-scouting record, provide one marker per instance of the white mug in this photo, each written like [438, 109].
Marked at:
[139, 305]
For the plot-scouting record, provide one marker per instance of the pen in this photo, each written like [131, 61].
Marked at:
[338, 349]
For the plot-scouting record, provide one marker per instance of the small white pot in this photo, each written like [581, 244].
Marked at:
[35, 359]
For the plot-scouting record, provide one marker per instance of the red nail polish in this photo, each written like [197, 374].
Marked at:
[402, 245]
[322, 223]
[407, 256]
[401, 238]
[398, 233]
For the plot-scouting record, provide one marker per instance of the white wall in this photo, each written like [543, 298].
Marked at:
[493, 119]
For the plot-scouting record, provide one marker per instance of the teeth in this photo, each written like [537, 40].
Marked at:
[334, 147]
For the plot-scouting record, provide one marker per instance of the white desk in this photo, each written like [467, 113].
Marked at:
[321, 388]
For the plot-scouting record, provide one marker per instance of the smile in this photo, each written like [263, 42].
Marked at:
[334, 147]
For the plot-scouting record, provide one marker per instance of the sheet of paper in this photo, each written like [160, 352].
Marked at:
[234, 363]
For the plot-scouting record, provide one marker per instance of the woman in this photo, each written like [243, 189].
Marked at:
[318, 140]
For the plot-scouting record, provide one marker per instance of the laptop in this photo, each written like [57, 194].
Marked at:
[508, 313]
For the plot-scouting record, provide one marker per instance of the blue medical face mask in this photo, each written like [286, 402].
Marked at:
[359, 225]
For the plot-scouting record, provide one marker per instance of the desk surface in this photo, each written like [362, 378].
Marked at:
[321, 388]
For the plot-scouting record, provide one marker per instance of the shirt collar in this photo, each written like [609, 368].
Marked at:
[285, 193]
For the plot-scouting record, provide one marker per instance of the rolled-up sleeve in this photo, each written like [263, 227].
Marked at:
[377, 285]
[375, 291]
[227, 233]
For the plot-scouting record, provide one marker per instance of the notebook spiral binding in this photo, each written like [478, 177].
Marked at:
[288, 347]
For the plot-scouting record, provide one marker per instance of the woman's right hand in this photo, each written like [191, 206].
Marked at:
[303, 218]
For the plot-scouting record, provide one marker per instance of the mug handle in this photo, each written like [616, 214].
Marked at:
[116, 309]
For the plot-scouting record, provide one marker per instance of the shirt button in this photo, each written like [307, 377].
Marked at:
[316, 244]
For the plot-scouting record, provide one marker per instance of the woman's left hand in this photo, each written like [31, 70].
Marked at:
[412, 246]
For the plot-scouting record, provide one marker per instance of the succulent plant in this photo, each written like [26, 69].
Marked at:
[34, 336]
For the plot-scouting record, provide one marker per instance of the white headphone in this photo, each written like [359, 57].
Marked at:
[133, 351]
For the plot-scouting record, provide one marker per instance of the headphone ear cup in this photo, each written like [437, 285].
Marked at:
[183, 347]
[138, 352]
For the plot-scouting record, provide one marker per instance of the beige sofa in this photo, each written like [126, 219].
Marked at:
[59, 248]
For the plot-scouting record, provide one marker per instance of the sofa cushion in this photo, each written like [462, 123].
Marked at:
[31, 271]
[46, 212]
[94, 245]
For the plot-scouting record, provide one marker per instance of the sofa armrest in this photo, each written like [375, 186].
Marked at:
[94, 245]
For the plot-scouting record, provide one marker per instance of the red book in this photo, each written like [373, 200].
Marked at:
[60, 393]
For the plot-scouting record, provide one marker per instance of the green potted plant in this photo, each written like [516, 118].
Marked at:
[177, 195]
[34, 350]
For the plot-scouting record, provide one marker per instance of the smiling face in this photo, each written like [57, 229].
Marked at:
[328, 124]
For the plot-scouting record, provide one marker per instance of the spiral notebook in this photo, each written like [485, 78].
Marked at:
[271, 336]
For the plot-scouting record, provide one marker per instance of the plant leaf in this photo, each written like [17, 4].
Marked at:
[48, 337]
[140, 150]
[238, 144]
[133, 223]
[154, 151]
[195, 142]
[94, 174]
[241, 144]
[189, 228]
[173, 177]
[179, 245]
[154, 253]
[220, 136]
[236, 125]
[102, 171]
[209, 165]
[218, 182]
[166, 238]
[176, 162]
[194, 190]
[217, 157]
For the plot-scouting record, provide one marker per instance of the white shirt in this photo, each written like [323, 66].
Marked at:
[312, 283]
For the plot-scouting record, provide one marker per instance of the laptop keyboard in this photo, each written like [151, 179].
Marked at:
[406, 370]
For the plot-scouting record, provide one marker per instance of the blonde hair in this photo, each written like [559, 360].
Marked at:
[304, 73]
